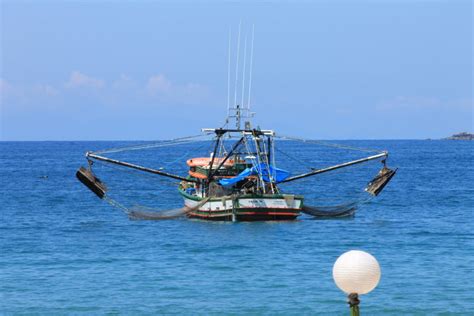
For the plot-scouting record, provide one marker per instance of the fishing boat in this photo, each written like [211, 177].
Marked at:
[239, 179]
[240, 182]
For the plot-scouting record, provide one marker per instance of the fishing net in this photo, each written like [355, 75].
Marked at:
[345, 210]
[146, 213]
[338, 193]
[141, 195]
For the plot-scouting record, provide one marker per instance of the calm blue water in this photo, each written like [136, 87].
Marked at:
[64, 251]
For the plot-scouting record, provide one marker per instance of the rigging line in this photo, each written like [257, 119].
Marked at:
[222, 149]
[152, 145]
[161, 180]
[247, 147]
[234, 147]
[237, 66]
[360, 197]
[258, 160]
[291, 157]
[214, 152]
[187, 153]
[338, 166]
[274, 162]
[253, 159]
[267, 165]
[332, 174]
[243, 74]
[137, 167]
[116, 204]
[251, 66]
[266, 162]
[329, 144]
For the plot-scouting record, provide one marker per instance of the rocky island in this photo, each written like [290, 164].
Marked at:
[461, 136]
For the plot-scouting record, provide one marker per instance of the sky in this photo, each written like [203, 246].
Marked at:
[146, 70]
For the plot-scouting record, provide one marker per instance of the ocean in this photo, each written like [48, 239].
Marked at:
[64, 251]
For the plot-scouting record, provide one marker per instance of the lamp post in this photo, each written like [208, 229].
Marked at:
[356, 272]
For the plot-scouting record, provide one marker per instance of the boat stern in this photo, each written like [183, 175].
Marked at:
[265, 207]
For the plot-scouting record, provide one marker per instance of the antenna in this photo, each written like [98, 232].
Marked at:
[228, 76]
[240, 111]
[237, 65]
[243, 73]
[251, 65]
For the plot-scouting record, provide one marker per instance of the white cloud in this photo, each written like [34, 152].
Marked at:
[46, 89]
[5, 88]
[157, 89]
[157, 84]
[26, 92]
[78, 79]
[122, 80]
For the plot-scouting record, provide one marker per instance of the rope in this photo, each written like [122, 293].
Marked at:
[267, 165]
[186, 154]
[328, 144]
[291, 157]
[140, 147]
[176, 141]
[161, 179]
[117, 205]
[144, 213]
[168, 181]
[255, 160]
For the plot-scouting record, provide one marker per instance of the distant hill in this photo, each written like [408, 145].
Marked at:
[461, 136]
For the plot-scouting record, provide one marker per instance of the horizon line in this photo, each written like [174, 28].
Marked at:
[152, 140]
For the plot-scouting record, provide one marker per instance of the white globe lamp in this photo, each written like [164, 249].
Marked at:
[356, 272]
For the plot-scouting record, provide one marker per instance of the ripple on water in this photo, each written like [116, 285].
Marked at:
[65, 252]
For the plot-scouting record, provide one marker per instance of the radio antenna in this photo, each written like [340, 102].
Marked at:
[243, 73]
[228, 75]
[237, 66]
[251, 65]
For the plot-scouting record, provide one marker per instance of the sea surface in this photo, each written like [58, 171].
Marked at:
[64, 251]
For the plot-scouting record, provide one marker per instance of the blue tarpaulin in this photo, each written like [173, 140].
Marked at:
[277, 174]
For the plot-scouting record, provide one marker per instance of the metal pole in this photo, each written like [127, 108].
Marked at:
[346, 164]
[214, 155]
[145, 169]
[353, 301]
[211, 174]
[355, 311]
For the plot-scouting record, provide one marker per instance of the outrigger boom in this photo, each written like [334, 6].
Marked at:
[137, 167]
[342, 165]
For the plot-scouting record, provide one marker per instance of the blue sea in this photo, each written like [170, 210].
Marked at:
[64, 251]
